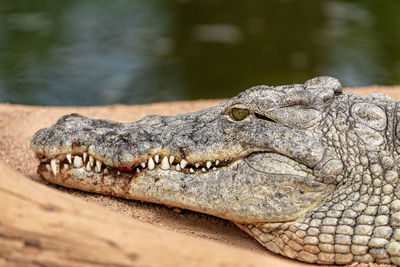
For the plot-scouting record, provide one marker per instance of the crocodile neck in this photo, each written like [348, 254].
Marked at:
[360, 221]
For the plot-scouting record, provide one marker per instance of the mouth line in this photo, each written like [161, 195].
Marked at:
[164, 162]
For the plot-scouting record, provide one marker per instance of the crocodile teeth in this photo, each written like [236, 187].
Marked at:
[157, 158]
[66, 166]
[88, 167]
[84, 156]
[48, 167]
[69, 158]
[183, 163]
[118, 173]
[214, 169]
[178, 168]
[98, 165]
[165, 164]
[203, 169]
[78, 162]
[137, 170]
[53, 164]
[217, 162]
[171, 159]
[208, 164]
[197, 164]
[105, 171]
[151, 164]
[91, 160]
[191, 170]
[143, 164]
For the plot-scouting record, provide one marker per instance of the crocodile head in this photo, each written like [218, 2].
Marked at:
[256, 158]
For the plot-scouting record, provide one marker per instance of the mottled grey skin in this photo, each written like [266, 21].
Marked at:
[310, 173]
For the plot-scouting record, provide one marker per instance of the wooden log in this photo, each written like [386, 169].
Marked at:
[40, 226]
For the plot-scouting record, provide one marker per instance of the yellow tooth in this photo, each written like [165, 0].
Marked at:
[53, 165]
[91, 160]
[151, 164]
[208, 164]
[88, 167]
[178, 168]
[183, 163]
[98, 166]
[165, 164]
[78, 162]
[69, 158]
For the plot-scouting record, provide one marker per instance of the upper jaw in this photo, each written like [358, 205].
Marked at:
[181, 140]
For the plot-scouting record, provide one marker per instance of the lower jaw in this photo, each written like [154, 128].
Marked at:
[78, 178]
[225, 192]
[128, 185]
[110, 181]
[156, 186]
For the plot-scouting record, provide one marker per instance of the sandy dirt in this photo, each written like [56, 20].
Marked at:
[18, 123]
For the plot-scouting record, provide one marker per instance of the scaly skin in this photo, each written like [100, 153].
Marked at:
[312, 174]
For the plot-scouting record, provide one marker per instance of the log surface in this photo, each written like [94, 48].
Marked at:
[42, 227]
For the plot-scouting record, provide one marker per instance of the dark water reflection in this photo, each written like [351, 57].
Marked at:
[96, 52]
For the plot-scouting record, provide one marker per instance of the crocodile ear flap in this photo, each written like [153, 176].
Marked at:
[316, 92]
[323, 88]
[302, 107]
[325, 82]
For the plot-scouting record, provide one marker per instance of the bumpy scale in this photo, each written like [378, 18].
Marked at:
[309, 172]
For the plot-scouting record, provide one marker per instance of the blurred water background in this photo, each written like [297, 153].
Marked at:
[98, 52]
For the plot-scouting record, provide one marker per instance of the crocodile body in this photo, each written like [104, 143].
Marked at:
[309, 172]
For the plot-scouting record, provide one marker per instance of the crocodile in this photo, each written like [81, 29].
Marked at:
[309, 172]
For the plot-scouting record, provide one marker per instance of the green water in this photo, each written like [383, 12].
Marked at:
[97, 52]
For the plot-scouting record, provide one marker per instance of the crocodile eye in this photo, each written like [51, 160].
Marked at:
[239, 114]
